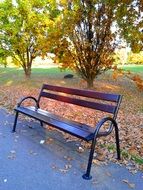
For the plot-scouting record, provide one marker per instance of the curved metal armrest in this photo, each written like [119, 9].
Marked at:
[28, 97]
[100, 124]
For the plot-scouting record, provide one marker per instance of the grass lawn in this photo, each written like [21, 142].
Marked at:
[11, 75]
[134, 68]
[15, 76]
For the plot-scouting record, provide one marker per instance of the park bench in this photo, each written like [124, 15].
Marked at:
[86, 98]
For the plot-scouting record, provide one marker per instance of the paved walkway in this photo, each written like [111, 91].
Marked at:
[28, 164]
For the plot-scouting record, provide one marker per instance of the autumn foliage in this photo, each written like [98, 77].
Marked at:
[83, 34]
[24, 26]
[91, 30]
[87, 43]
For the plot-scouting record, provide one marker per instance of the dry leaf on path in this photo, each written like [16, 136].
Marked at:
[68, 166]
[68, 158]
[42, 141]
[108, 174]
[5, 180]
[80, 150]
[131, 185]
[33, 153]
[12, 155]
[49, 141]
[63, 170]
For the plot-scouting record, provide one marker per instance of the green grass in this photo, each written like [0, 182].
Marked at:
[13, 73]
[40, 71]
[15, 76]
[133, 68]
[124, 154]
[137, 159]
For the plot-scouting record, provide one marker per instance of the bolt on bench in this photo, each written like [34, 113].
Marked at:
[80, 130]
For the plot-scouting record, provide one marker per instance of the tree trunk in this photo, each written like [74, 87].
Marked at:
[90, 83]
[27, 72]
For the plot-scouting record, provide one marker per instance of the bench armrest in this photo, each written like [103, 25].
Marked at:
[28, 97]
[101, 123]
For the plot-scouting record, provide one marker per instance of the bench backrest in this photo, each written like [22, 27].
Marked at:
[63, 94]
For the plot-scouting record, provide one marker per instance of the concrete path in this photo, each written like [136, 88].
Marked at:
[28, 164]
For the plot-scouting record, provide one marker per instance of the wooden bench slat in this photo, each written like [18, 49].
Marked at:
[77, 129]
[94, 105]
[84, 93]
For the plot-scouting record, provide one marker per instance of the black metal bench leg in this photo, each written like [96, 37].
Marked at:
[15, 122]
[87, 174]
[41, 123]
[117, 142]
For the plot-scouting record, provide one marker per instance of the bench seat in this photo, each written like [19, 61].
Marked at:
[77, 129]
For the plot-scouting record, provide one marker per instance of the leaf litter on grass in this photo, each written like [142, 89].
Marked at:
[130, 119]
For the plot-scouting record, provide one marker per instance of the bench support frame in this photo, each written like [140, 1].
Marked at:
[87, 175]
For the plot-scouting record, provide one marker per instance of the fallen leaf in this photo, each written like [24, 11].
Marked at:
[133, 150]
[95, 182]
[12, 156]
[131, 185]
[68, 158]
[5, 180]
[63, 170]
[96, 162]
[54, 166]
[108, 174]
[80, 150]
[13, 152]
[68, 166]
[100, 157]
[49, 141]
[42, 141]
[33, 153]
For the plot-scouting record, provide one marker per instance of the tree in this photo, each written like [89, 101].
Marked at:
[24, 26]
[135, 58]
[3, 57]
[130, 22]
[90, 32]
